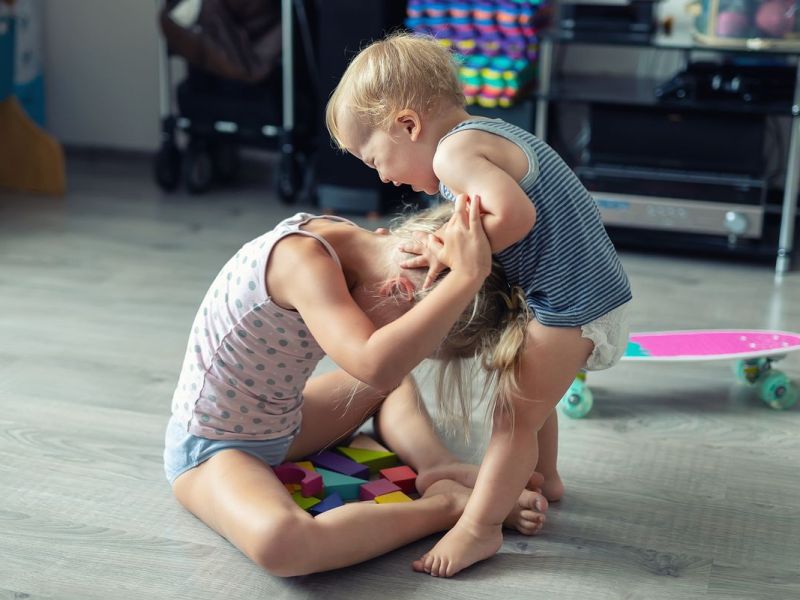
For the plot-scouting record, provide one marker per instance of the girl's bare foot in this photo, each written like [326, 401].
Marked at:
[455, 492]
[527, 517]
[464, 545]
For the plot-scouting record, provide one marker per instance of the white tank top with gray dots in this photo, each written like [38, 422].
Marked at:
[248, 359]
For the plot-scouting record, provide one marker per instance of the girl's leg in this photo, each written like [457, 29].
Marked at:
[551, 358]
[240, 497]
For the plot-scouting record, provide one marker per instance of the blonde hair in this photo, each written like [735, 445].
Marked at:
[490, 335]
[402, 71]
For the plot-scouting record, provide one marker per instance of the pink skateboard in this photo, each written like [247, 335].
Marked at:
[754, 351]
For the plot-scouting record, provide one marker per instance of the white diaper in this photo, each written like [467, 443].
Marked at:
[610, 336]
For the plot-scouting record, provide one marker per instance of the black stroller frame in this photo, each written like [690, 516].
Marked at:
[212, 152]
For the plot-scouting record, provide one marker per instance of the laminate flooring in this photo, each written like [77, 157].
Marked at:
[679, 485]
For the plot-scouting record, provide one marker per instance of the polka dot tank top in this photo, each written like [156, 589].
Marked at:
[248, 359]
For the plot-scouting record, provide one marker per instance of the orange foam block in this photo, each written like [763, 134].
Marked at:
[403, 477]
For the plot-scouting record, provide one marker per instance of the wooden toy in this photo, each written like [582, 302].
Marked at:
[304, 502]
[344, 485]
[392, 498]
[372, 459]
[362, 440]
[379, 487]
[310, 483]
[340, 464]
[403, 477]
[332, 501]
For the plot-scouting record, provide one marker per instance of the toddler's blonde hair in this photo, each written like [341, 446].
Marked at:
[489, 335]
[402, 71]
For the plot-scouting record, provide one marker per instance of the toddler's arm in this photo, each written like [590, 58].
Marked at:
[479, 169]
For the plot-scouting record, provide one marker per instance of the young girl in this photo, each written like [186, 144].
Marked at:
[399, 109]
[244, 401]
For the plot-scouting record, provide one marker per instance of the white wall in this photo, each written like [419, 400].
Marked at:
[101, 72]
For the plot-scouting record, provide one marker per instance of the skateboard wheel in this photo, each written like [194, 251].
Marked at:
[777, 391]
[578, 401]
[750, 370]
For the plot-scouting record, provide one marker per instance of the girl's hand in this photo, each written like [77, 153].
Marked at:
[460, 245]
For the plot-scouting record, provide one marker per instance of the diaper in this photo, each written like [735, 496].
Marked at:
[610, 336]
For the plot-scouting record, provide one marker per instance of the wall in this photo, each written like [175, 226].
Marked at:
[101, 72]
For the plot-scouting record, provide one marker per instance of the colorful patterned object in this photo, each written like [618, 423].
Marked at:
[494, 40]
[709, 344]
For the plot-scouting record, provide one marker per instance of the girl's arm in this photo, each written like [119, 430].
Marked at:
[382, 357]
[472, 164]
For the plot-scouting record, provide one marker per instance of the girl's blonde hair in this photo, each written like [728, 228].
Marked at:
[489, 334]
[402, 71]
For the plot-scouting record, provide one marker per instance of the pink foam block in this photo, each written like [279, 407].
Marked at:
[379, 487]
[403, 477]
[310, 482]
[339, 464]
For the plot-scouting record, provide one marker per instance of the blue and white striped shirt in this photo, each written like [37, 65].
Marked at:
[566, 264]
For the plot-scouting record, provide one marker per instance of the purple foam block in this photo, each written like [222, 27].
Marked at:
[379, 487]
[340, 464]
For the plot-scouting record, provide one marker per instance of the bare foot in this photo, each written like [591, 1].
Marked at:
[455, 492]
[527, 517]
[462, 546]
[553, 488]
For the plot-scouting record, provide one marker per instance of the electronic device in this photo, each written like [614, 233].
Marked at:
[751, 84]
[608, 17]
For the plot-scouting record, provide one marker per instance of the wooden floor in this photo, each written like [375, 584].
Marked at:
[679, 485]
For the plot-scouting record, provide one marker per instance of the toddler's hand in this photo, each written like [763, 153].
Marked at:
[422, 247]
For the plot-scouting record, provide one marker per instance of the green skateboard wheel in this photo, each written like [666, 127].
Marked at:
[578, 401]
[750, 370]
[777, 391]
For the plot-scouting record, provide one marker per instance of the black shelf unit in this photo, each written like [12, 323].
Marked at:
[621, 210]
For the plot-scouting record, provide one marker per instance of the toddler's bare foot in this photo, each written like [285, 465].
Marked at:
[553, 488]
[461, 547]
[526, 517]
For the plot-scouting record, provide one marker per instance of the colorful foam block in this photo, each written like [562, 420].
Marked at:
[373, 460]
[362, 440]
[340, 464]
[392, 498]
[403, 477]
[292, 487]
[344, 485]
[379, 487]
[332, 501]
[310, 483]
[303, 502]
[306, 464]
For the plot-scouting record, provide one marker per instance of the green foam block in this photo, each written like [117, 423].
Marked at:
[375, 460]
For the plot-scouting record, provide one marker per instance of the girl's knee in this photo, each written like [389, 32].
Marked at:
[282, 544]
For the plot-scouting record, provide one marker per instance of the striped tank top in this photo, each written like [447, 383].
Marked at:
[566, 264]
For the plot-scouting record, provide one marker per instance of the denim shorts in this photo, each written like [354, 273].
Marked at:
[184, 451]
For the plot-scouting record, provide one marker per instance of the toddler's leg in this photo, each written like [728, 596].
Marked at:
[406, 427]
[547, 440]
[551, 358]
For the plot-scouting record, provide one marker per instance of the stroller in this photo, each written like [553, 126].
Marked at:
[239, 91]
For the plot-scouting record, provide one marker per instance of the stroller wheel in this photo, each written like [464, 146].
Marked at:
[167, 167]
[198, 170]
[226, 161]
[288, 180]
